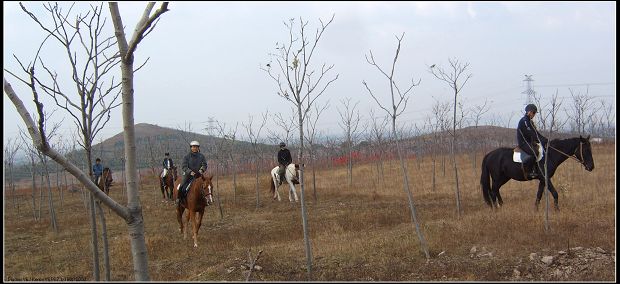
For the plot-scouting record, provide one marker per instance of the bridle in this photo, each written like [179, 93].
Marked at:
[573, 156]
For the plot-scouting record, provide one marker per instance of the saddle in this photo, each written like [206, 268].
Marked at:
[519, 155]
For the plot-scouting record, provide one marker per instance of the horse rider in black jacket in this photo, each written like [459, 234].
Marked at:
[527, 137]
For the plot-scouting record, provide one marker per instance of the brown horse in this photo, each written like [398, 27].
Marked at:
[105, 181]
[167, 183]
[195, 201]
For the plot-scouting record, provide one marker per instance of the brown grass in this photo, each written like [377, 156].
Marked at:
[362, 233]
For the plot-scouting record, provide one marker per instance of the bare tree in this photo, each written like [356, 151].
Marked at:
[350, 123]
[451, 77]
[253, 137]
[311, 121]
[297, 84]
[399, 104]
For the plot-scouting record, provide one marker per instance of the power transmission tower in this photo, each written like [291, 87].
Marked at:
[529, 92]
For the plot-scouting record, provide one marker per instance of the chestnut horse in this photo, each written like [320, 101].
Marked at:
[195, 201]
[167, 184]
[105, 181]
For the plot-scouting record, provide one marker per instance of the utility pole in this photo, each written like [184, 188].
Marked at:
[529, 91]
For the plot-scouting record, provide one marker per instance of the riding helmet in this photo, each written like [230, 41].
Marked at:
[194, 143]
[531, 107]
[282, 144]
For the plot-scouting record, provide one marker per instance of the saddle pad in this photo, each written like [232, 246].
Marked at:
[516, 156]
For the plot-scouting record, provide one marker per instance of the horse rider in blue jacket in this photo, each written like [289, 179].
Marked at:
[527, 137]
[284, 159]
[194, 163]
[97, 170]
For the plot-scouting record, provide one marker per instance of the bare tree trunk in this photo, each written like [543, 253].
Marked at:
[40, 197]
[53, 221]
[34, 187]
[456, 177]
[104, 236]
[94, 240]
[217, 186]
[135, 221]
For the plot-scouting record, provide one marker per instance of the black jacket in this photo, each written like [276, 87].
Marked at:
[167, 163]
[194, 162]
[284, 157]
[527, 134]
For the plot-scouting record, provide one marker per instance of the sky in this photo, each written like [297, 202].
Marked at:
[205, 58]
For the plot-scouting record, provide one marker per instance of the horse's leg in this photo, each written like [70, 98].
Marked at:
[187, 217]
[197, 223]
[276, 193]
[292, 191]
[555, 196]
[162, 186]
[541, 188]
[498, 195]
[194, 228]
[495, 193]
[180, 218]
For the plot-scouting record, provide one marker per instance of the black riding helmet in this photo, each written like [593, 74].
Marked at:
[282, 144]
[531, 107]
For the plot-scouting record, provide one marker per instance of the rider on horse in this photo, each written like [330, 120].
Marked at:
[97, 170]
[527, 136]
[194, 163]
[284, 159]
[168, 165]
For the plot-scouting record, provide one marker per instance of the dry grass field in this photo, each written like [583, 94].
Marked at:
[358, 233]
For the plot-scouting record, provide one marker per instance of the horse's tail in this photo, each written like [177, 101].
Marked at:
[484, 180]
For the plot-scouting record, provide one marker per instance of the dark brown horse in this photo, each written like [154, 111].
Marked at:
[195, 201]
[105, 181]
[498, 166]
[167, 183]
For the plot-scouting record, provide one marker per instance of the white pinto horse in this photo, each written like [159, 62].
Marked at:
[291, 175]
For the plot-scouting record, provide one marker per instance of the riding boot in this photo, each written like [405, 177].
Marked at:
[534, 170]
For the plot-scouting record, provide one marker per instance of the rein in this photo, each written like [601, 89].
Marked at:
[572, 156]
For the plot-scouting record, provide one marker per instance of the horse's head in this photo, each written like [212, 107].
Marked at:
[584, 153]
[107, 174]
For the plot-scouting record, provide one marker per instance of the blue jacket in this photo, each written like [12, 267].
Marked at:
[97, 169]
[527, 134]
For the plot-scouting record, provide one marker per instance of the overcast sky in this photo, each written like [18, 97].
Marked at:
[205, 57]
